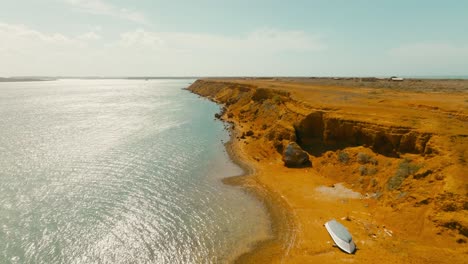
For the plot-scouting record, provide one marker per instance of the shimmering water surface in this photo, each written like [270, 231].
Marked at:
[117, 171]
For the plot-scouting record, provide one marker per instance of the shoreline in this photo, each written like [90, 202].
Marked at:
[280, 216]
[282, 224]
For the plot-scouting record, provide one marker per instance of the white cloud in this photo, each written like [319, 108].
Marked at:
[100, 7]
[283, 40]
[24, 51]
[20, 32]
[261, 41]
[140, 38]
[21, 38]
[89, 36]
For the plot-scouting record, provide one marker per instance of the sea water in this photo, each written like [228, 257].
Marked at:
[118, 171]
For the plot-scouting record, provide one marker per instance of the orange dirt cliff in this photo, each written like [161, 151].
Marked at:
[387, 160]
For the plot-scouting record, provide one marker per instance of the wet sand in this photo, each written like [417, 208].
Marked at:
[282, 222]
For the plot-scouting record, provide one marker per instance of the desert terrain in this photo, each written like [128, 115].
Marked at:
[386, 159]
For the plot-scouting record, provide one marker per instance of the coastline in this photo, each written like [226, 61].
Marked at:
[282, 225]
[281, 220]
[299, 201]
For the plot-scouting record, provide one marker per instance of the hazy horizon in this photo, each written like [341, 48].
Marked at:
[237, 38]
[233, 76]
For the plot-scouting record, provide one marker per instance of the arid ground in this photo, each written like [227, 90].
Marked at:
[389, 161]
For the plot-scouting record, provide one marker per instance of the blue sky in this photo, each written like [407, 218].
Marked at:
[205, 37]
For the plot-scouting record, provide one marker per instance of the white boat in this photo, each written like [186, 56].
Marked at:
[341, 236]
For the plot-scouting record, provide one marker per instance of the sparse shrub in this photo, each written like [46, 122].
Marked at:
[363, 170]
[261, 94]
[394, 182]
[343, 157]
[277, 99]
[371, 170]
[405, 169]
[363, 158]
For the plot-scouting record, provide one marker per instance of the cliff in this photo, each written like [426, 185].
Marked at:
[406, 153]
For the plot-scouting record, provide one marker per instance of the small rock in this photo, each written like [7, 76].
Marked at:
[422, 174]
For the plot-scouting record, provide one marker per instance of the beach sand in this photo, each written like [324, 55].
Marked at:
[422, 220]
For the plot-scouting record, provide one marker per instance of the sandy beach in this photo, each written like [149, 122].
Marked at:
[389, 163]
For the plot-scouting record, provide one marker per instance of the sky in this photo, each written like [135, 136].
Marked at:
[233, 38]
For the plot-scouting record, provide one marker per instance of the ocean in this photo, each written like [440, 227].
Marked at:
[118, 171]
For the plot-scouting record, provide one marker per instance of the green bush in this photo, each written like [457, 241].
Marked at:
[405, 169]
[365, 170]
[276, 99]
[261, 94]
[343, 157]
[363, 158]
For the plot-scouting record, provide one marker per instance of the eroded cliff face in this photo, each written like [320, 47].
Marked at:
[322, 129]
[314, 130]
[401, 167]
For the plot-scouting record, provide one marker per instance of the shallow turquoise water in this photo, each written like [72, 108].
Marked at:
[118, 171]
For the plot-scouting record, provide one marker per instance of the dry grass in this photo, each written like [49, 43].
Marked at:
[415, 85]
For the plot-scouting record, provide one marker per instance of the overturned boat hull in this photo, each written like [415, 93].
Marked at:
[340, 236]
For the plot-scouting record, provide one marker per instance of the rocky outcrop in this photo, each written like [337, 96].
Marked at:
[279, 134]
[318, 128]
[295, 157]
